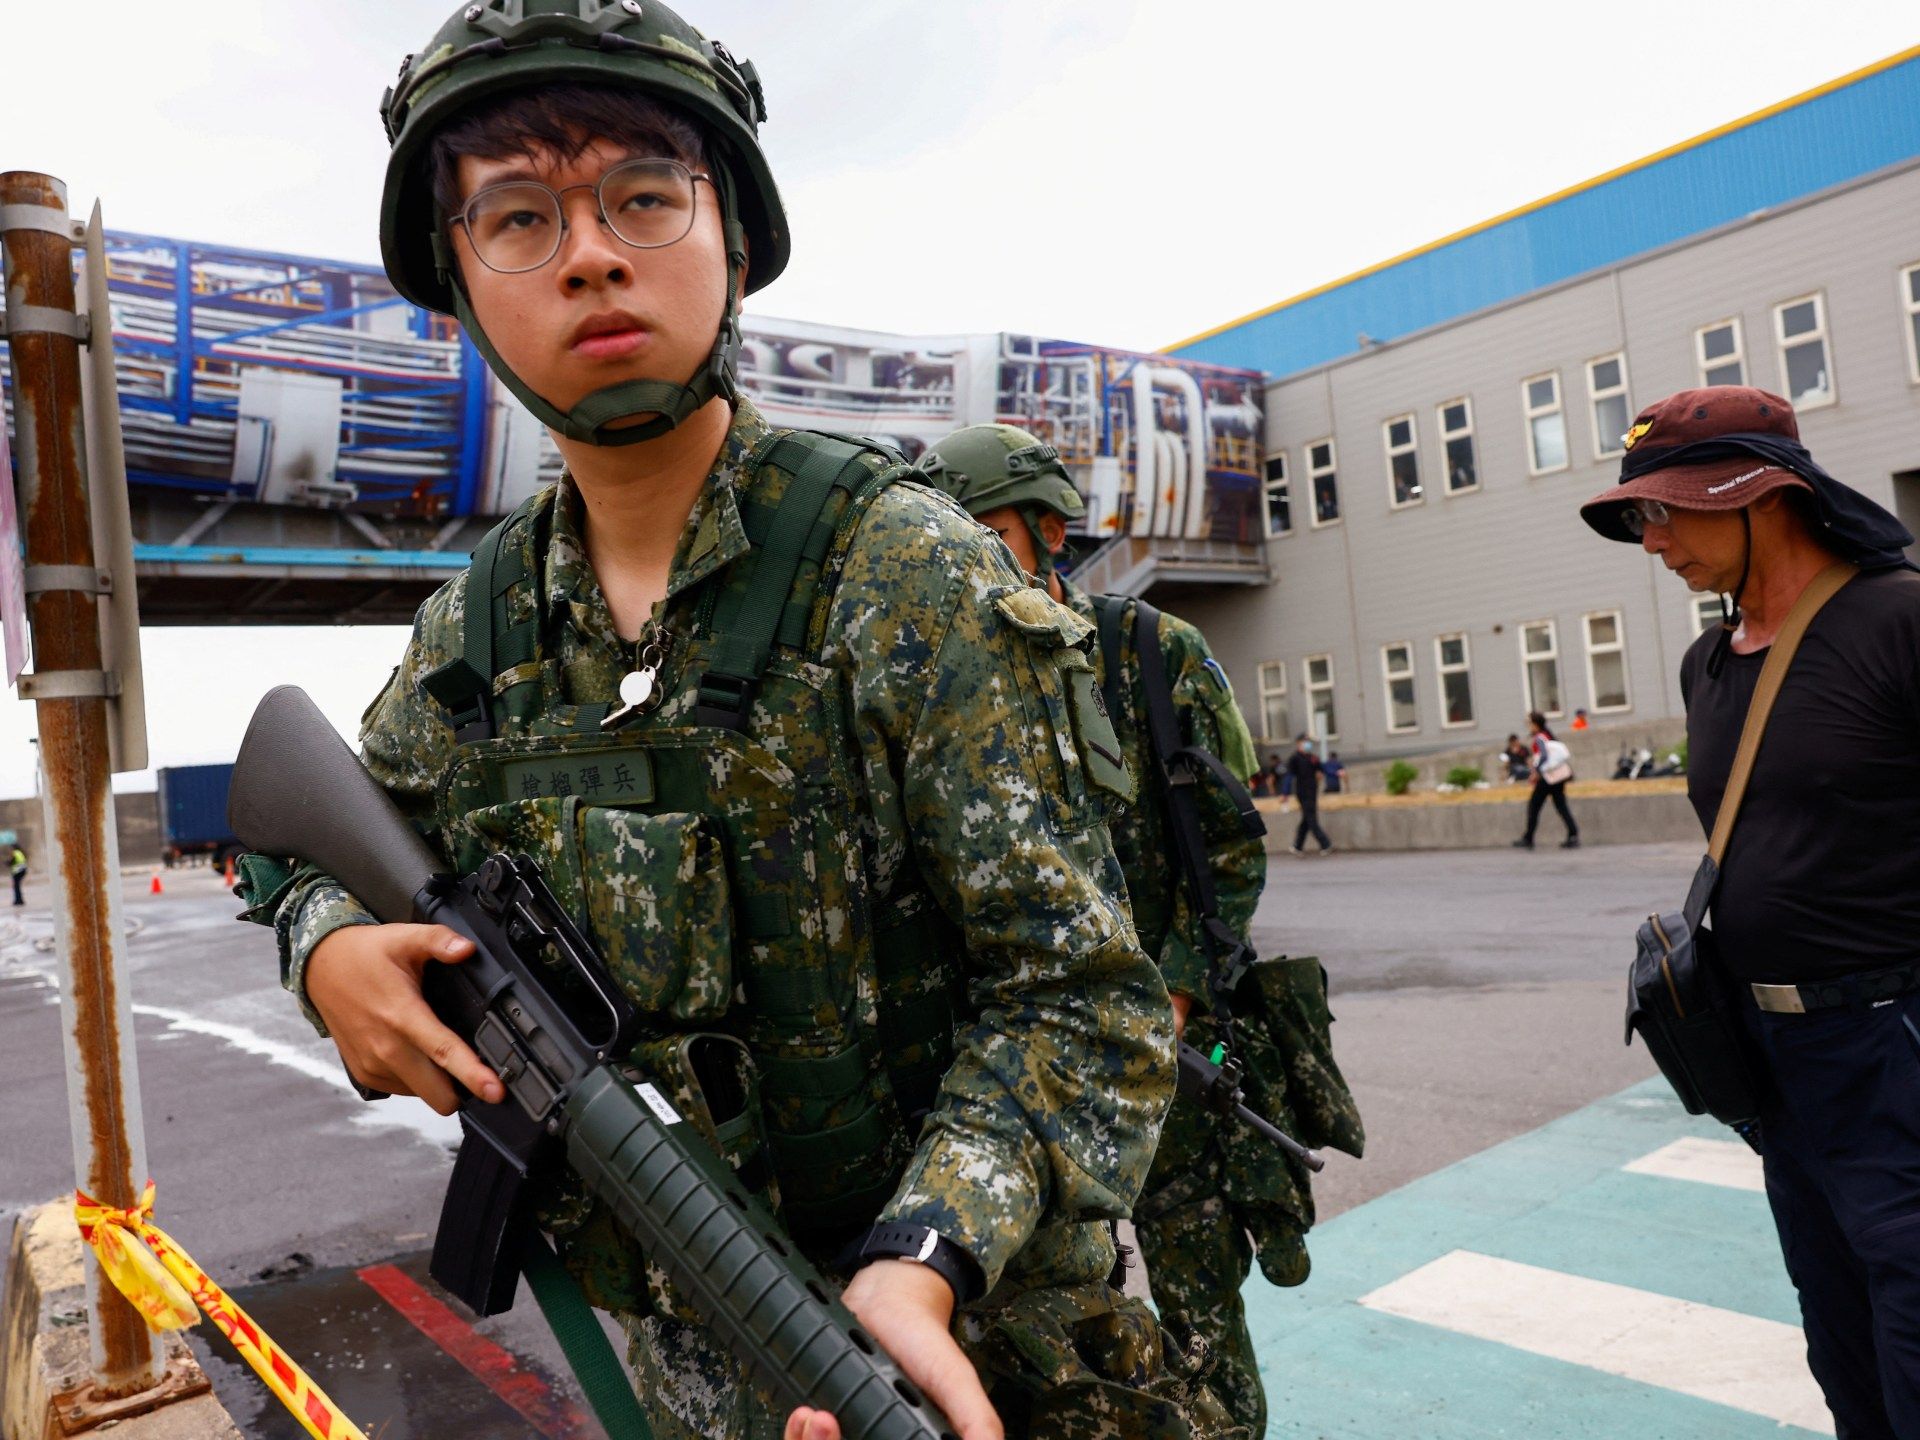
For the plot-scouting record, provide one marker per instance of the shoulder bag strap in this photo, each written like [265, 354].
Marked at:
[1773, 674]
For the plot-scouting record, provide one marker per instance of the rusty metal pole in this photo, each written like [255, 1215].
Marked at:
[70, 690]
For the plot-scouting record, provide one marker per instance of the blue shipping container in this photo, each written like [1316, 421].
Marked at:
[193, 807]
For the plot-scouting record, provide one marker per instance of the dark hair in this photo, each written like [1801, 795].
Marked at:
[1301, 738]
[563, 118]
[1536, 719]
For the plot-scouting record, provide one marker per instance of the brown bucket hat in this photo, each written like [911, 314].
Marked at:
[1730, 482]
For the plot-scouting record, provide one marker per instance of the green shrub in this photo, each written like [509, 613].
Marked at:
[1464, 777]
[1401, 775]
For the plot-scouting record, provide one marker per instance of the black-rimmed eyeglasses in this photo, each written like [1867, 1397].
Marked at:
[518, 226]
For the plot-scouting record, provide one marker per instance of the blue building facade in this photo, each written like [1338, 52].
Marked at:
[1850, 128]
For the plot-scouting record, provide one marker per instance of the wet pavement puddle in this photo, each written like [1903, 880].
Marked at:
[397, 1354]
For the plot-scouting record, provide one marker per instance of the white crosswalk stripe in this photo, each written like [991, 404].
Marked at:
[1731, 1163]
[1741, 1361]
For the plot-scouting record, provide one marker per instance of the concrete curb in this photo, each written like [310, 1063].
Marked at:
[44, 1360]
[1487, 820]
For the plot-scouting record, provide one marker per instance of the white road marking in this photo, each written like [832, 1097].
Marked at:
[1740, 1361]
[1731, 1163]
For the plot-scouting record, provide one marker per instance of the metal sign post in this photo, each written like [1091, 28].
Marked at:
[71, 686]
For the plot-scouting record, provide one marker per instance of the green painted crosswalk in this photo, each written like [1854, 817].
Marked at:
[1614, 1273]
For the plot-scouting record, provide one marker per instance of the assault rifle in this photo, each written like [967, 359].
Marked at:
[1215, 1084]
[537, 1003]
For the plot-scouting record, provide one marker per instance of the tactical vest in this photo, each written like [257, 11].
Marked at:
[705, 846]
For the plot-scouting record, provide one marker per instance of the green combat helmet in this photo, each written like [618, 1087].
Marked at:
[491, 48]
[987, 466]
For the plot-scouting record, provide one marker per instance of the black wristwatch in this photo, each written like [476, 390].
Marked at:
[926, 1246]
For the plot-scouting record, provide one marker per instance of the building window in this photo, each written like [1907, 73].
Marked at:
[1801, 328]
[1540, 664]
[1456, 445]
[1607, 387]
[1403, 462]
[1910, 301]
[1721, 352]
[1279, 498]
[1396, 664]
[1546, 424]
[1276, 720]
[1705, 610]
[1321, 723]
[1323, 482]
[1456, 681]
[1607, 662]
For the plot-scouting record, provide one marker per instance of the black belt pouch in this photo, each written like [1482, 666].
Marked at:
[1682, 1004]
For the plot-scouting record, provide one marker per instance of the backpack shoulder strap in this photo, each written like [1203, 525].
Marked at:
[507, 556]
[773, 601]
[1111, 611]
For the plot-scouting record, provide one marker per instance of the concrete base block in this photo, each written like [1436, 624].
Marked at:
[1620, 815]
[45, 1366]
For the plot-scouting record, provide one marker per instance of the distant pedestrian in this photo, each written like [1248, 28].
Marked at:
[1519, 760]
[1580, 720]
[1335, 771]
[1552, 767]
[1304, 770]
[1266, 780]
[17, 862]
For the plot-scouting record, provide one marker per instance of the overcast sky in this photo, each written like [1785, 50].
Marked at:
[1121, 172]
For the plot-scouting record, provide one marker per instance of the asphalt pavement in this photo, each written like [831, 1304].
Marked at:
[1479, 996]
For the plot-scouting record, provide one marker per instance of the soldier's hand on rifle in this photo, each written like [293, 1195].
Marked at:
[1181, 1004]
[908, 1309]
[365, 982]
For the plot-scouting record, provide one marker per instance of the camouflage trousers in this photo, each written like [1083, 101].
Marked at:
[1065, 1363]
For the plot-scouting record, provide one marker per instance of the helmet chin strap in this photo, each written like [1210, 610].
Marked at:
[595, 418]
[1042, 555]
[1730, 614]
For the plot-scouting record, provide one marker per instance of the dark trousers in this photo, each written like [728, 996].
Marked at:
[1310, 824]
[19, 879]
[1542, 792]
[1840, 1132]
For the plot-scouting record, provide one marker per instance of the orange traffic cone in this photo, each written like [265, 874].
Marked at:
[156, 888]
[229, 872]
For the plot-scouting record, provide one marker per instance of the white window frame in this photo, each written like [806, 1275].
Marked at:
[1313, 688]
[1530, 412]
[1412, 447]
[1264, 677]
[1441, 670]
[1314, 522]
[1388, 675]
[1704, 619]
[1447, 487]
[1618, 647]
[1268, 485]
[1608, 447]
[1910, 311]
[1739, 356]
[1822, 332]
[1530, 658]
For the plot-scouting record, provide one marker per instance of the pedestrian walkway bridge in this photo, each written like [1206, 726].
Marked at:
[303, 445]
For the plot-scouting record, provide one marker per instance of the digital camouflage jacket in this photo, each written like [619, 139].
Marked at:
[943, 664]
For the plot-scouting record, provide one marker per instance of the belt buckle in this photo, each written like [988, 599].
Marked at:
[1780, 999]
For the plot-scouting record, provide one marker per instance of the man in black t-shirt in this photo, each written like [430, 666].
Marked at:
[1817, 913]
[1304, 769]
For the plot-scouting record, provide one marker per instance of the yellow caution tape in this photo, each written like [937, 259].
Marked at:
[161, 1281]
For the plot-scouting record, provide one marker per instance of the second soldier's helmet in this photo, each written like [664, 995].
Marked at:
[987, 466]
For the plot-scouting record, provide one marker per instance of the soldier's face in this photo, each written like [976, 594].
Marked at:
[1011, 526]
[600, 311]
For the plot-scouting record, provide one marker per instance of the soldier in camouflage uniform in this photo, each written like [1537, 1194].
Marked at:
[793, 741]
[1213, 1181]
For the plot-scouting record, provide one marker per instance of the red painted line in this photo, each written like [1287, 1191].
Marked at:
[554, 1416]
